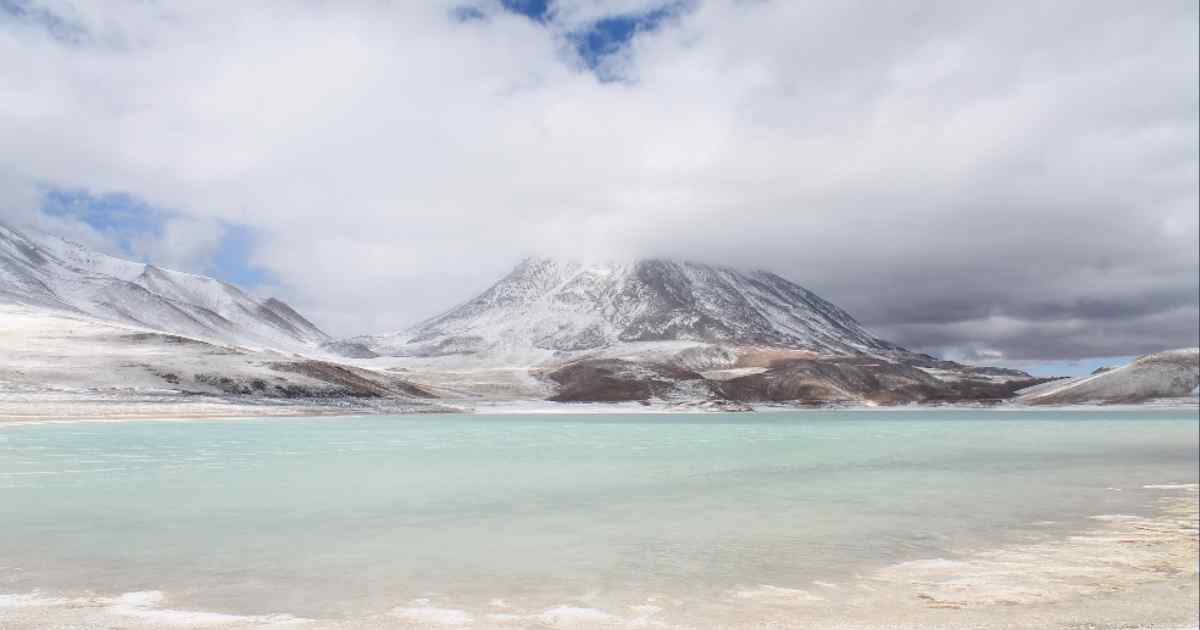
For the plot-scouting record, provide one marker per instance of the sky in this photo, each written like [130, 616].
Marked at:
[998, 182]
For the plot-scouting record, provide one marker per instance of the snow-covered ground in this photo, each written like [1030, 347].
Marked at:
[55, 364]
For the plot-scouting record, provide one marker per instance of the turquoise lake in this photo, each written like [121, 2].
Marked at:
[342, 517]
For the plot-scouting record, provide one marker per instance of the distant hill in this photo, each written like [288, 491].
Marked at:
[1170, 374]
[45, 271]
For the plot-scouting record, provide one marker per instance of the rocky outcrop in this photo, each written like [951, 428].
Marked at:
[857, 380]
[849, 380]
[344, 380]
[615, 380]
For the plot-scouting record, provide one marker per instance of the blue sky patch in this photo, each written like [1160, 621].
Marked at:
[124, 218]
[609, 35]
[1081, 367]
[119, 216]
[231, 262]
[596, 40]
[536, 10]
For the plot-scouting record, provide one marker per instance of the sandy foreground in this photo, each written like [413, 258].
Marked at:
[1128, 571]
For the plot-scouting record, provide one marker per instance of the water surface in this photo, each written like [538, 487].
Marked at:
[343, 517]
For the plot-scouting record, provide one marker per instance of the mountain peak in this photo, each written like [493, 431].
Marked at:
[556, 305]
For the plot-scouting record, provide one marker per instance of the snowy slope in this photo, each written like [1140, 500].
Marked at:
[58, 364]
[46, 271]
[558, 307]
[1169, 374]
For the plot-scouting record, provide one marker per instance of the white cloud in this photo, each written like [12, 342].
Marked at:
[906, 160]
[187, 243]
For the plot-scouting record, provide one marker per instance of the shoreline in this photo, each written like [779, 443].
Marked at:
[1126, 572]
[183, 409]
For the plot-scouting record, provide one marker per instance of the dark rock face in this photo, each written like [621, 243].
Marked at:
[832, 381]
[969, 390]
[798, 381]
[351, 382]
[349, 349]
[615, 380]
[926, 361]
[332, 381]
[994, 371]
[856, 380]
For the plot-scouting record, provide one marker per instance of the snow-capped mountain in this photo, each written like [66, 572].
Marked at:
[562, 307]
[49, 272]
[678, 332]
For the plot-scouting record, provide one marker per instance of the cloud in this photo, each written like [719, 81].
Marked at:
[966, 179]
[182, 243]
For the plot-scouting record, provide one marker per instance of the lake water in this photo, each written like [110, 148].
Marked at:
[449, 519]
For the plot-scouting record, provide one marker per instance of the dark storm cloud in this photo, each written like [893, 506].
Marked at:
[1053, 339]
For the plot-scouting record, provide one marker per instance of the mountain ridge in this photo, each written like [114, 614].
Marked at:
[50, 272]
[673, 332]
